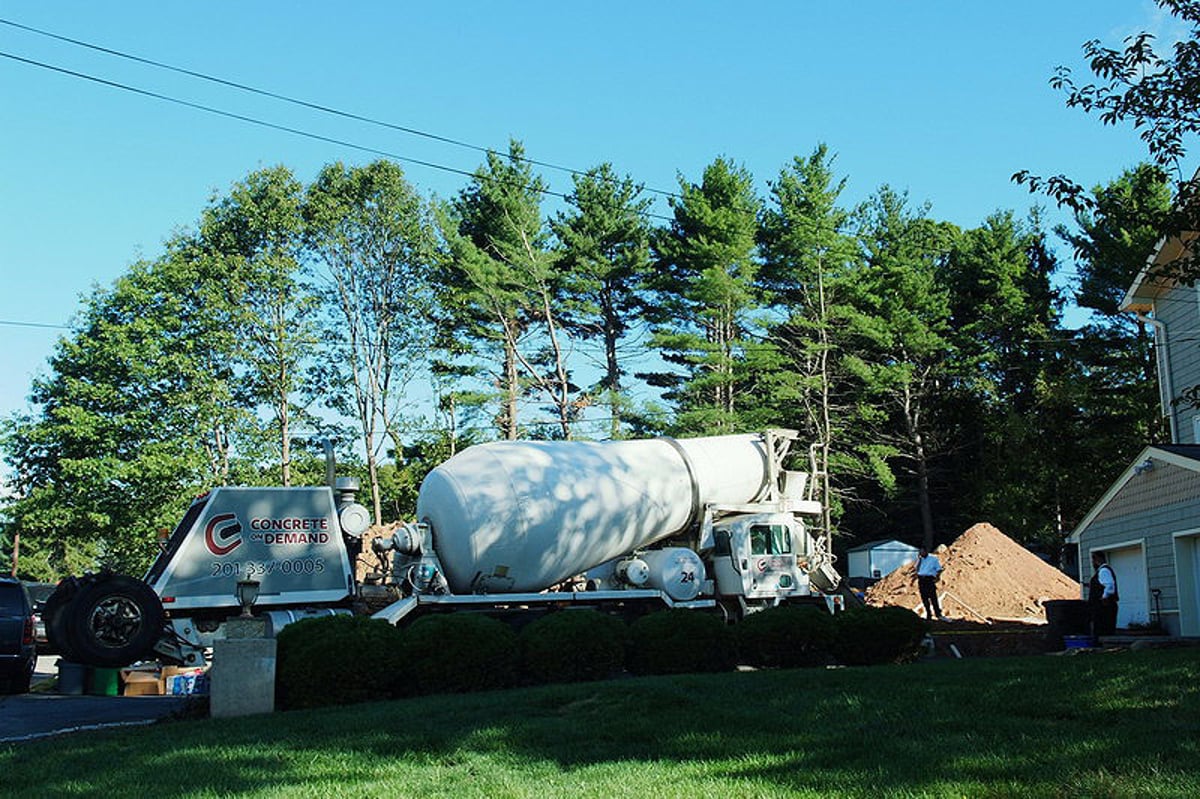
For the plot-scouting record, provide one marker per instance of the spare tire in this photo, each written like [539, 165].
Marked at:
[114, 621]
[56, 615]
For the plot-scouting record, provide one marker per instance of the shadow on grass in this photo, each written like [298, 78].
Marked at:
[1124, 724]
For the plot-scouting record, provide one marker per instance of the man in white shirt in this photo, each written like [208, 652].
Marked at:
[1103, 596]
[928, 569]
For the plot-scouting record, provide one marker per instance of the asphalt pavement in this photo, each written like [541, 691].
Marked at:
[27, 717]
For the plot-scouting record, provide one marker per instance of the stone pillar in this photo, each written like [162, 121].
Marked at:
[242, 677]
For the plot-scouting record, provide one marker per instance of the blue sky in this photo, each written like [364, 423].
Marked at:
[943, 99]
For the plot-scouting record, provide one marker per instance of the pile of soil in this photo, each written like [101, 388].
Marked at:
[986, 577]
[368, 562]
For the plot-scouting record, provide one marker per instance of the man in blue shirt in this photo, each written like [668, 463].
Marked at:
[928, 569]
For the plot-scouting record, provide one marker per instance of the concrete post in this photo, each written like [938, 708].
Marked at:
[242, 678]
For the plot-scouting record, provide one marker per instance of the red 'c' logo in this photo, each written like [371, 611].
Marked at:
[227, 538]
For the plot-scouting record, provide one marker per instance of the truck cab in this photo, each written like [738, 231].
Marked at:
[756, 556]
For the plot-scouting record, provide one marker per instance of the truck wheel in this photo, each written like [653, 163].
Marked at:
[56, 615]
[114, 622]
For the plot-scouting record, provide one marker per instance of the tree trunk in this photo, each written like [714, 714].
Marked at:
[373, 476]
[285, 436]
[512, 389]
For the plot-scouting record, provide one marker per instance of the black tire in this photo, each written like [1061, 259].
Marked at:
[114, 622]
[57, 614]
[21, 683]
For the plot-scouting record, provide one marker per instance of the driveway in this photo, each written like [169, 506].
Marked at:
[26, 717]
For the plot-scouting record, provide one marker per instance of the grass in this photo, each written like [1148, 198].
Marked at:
[1124, 724]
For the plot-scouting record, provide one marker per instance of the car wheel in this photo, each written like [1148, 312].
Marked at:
[114, 622]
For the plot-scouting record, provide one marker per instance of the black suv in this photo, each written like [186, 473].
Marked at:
[18, 652]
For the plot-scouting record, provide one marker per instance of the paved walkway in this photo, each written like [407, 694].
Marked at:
[27, 717]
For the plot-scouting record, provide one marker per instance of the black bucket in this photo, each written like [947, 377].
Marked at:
[1066, 617]
[71, 678]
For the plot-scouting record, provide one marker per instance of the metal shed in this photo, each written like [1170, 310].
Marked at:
[876, 559]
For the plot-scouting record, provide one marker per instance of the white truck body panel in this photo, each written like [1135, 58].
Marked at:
[288, 539]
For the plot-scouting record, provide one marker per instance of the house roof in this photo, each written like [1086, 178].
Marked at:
[884, 543]
[1149, 284]
[1185, 456]
[1191, 451]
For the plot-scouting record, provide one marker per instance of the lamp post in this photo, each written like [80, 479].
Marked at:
[246, 594]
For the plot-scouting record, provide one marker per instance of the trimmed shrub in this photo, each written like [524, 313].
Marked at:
[460, 652]
[786, 637]
[573, 646]
[337, 660]
[870, 635]
[679, 641]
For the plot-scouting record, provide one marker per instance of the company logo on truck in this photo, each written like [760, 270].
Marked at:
[223, 534]
[290, 530]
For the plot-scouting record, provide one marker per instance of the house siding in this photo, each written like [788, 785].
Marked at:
[1150, 508]
[1179, 310]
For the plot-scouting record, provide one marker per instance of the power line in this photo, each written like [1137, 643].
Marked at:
[815, 226]
[240, 117]
[276, 126]
[37, 325]
[305, 103]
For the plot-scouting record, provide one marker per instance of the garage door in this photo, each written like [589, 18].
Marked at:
[1129, 564]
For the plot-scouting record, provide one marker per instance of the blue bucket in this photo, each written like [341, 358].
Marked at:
[1078, 641]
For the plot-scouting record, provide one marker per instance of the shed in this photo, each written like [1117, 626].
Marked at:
[1148, 526]
[876, 559]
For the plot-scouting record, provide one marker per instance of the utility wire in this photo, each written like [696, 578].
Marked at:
[304, 103]
[814, 226]
[240, 117]
[1192, 335]
[276, 126]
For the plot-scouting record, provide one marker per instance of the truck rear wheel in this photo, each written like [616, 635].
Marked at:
[56, 613]
[114, 622]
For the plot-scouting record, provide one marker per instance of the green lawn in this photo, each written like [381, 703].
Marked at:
[1120, 724]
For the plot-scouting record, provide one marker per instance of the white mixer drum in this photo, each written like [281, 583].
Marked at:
[524, 515]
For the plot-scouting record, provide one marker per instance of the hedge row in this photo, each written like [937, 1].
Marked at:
[344, 659]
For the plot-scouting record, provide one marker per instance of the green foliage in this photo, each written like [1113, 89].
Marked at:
[495, 278]
[135, 416]
[603, 260]
[338, 660]
[372, 235]
[705, 299]
[899, 351]
[868, 635]
[807, 249]
[786, 637]
[680, 641]
[573, 646]
[252, 238]
[460, 652]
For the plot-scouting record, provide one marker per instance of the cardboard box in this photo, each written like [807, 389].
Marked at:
[142, 684]
[143, 681]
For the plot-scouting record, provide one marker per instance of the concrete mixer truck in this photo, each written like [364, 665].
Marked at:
[506, 527]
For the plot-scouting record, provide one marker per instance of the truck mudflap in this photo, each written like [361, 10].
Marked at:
[398, 610]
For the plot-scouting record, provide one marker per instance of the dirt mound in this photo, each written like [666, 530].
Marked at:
[368, 562]
[985, 576]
